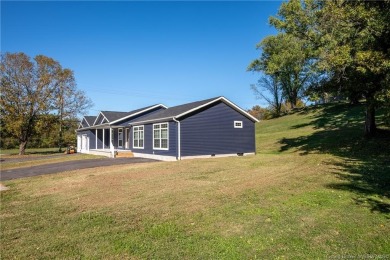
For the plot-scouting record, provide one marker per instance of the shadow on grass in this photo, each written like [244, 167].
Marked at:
[365, 162]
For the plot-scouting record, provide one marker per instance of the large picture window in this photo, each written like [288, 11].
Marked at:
[138, 137]
[160, 136]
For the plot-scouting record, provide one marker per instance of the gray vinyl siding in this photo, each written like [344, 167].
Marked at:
[212, 131]
[148, 141]
[99, 139]
[91, 136]
[106, 138]
[115, 138]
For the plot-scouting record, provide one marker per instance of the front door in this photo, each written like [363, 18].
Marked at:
[127, 138]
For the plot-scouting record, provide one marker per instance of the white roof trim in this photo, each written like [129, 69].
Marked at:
[95, 127]
[85, 121]
[224, 100]
[151, 120]
[98, 117]
[147, 109]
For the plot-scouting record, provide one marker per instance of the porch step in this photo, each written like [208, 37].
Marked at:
[124, 154]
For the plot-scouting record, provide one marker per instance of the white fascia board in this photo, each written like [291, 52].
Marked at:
[151, 120]
[199, 107]
[240, 109]
[86, 121]
[231, 104]
[102, 126]
[140, 112]
[98, 117]
[82, 129]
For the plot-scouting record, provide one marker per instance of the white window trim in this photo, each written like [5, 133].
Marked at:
[238, 122]
[143, 139]
[159, 148]
[120, 130]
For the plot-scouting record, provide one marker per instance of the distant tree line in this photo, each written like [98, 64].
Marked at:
[46, 134]
[326, 50]
[39, 102]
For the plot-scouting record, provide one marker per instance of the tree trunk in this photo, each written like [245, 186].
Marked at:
[60, 139]
[22, 147]
[370, 126]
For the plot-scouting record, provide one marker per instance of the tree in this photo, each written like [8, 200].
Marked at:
[68, 102]
[351, 40]
[260, 112]
[269, 89]
[29, 89]
[288, 61]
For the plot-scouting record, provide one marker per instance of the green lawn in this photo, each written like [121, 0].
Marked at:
[316, 189]
[35, 161]
[31, 151]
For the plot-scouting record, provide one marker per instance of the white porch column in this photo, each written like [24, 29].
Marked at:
[103, 140]
[111, 144]
[96, 133]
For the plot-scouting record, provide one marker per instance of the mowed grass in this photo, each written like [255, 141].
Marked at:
[30, 151]
[13, 162]
[316, 189]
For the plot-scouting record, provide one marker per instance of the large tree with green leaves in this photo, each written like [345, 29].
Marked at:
[286, 59]
[31, 89]
[351, 41]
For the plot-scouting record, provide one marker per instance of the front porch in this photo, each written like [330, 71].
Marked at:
[117, 153]
[106, 141]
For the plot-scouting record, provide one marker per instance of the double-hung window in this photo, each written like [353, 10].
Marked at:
[160, 136]
[138, 137]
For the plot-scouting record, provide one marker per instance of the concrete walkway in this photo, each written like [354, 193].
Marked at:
[67, 166]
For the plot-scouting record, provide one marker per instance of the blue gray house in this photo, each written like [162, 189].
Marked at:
[207, 128]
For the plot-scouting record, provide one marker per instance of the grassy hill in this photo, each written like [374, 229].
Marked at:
[315, 189]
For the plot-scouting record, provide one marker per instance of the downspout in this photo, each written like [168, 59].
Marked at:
[178, 139]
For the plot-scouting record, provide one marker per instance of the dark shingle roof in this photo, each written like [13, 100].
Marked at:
[90, 119]
[177, 110]
[115, 115]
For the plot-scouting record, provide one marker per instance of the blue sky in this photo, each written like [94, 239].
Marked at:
[126, 55]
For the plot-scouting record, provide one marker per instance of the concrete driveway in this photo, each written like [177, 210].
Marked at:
[67, 166]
